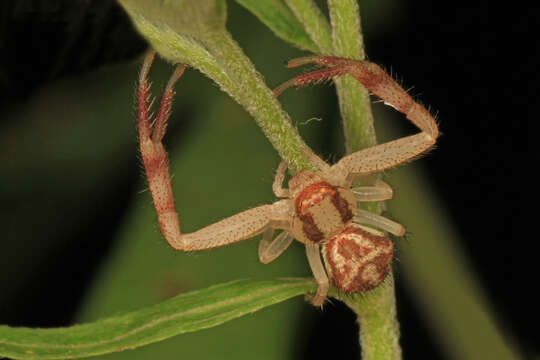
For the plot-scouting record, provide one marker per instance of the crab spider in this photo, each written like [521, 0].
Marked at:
[319, 208]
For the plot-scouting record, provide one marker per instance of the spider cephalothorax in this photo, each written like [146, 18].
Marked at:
[319, 208]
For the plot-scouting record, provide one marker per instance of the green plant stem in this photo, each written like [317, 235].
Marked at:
[210, 49]
[379, 330]
[354, 102]
[259, 101]
[376, 310]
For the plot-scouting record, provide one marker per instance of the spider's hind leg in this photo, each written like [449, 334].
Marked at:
[319, 60]
[376, 80]
[164, 112]
[379, 191]
[368, 218]
[270, 249]
[314, 259]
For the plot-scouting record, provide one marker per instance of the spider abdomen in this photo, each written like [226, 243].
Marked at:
[321, 211]
[358, 259]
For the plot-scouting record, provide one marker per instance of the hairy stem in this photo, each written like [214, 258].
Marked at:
[376, 310]
[379, 330]
[253, 94]
[198, 42]
[353, 98]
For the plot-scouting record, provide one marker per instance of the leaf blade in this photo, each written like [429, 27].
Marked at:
[277, 16]
[184, 313]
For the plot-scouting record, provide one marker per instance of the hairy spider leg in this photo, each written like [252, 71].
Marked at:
[270, 249]
[376, 80]
[152, 151]
[314, 258]
[277, 185]
[159, 127]
[370, 219]
[379, 191]
[233, 229]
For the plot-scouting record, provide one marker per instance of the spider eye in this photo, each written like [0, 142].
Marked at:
[357, 259]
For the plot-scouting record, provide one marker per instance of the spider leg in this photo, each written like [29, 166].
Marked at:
[143, 97]
[319, 60]
[235, 228]
[153, 153]
[157, 130]
[316, 76]
[277, 186]
[379, 191]
[269, 249]
[241, 226]
[160, 125]
[314, 259]
[382, 156]
[376, 80]
[364, 217]
[336, 66]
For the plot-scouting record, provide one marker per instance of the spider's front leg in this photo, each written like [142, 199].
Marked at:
[233, 229]
[153, 153]
[377, 81]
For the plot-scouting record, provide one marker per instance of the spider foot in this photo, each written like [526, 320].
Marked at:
[316, 299]
[320, 296]
[156, 129]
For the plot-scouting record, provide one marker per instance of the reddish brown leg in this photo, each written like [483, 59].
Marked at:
[153, 153]
[317, 75]
[377, 81]
[372, 76]
[232, 229]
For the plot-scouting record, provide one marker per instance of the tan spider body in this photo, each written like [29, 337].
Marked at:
[319, 208]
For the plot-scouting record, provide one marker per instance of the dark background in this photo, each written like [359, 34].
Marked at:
[471, 61]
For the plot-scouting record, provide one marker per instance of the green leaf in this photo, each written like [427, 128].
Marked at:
[188, 312]
[195, 18]
[177, 30]
[281, 20]
[315, 23]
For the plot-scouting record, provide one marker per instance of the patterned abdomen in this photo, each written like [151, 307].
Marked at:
[358, 259]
